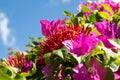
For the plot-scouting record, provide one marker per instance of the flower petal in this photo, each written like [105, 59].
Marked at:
[82, 45]
[45, 27]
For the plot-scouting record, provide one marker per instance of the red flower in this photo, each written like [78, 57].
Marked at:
[54, 41]
[20, 62]
[58, 33]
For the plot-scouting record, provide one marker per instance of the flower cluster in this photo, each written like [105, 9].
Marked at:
[83, 46]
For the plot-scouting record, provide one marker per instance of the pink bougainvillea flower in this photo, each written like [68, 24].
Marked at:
[81, 72]
[106, 28]
[117, 75]
[49, 27]
[94, 72]
[47, 71]
[92, 5]
[82, 45]
[45, 27]
[117, 31]
[113, 4]
[87, 14]
[107, 31]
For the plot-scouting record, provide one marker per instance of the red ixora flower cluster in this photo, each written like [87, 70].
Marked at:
[55, 39]
[61, 33]
[19, 61]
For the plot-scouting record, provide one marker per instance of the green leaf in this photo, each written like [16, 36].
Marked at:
[24, 74]
[118, 23]
[47, 57]
[68, 77]
[96, 31]
[98, 51]
[6, 70]
[110, 58]
[116, 16]
[19, 77]
[75, 21]
[110, 75]
[73, 60]
[10, 71]
[58, 53]
[106, 56]
[107, 7]
[69, 14]
[114, 67]
[64, 51]
[104, 15]
[80, 14]
[115, 42]
[32, 56]
[31, 38]
[86, 9]
[4, 76]
[117, 61]
[92, 18]
[78, 59]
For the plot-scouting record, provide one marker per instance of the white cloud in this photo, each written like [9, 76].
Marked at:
[66, 1]
[6, 34]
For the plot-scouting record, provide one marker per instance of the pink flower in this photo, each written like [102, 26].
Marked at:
[107, 31]
[114, 5]
[106, 28]
[94, 72]
[47, 70]
[117, 74]
[26, 65]
[50, 27]
[87, 14]
[82, 45]
[92, 6]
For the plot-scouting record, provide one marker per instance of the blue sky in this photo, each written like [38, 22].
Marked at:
[19, 19]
